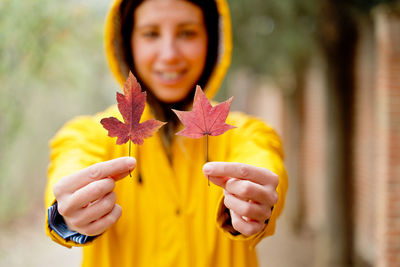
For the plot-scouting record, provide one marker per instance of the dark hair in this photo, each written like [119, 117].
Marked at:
[211, 18]
[162, 111]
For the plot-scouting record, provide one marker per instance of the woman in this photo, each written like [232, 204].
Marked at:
[166, 215]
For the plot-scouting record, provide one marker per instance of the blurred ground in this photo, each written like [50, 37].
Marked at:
[286, 248]
[25, 244]
[28, 246]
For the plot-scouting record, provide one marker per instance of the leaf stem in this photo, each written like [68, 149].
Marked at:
[130, 175]
[130, 133]
[207, 157]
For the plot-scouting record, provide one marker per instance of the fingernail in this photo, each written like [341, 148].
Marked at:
[130, 161]
[207, 169]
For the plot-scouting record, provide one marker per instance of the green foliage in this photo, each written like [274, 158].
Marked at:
[271, 37]
[50, 51]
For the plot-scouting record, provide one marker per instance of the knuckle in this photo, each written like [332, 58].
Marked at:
[108, 204]
[63, 208]
[236, 223]
[230, 184]
[108, 184]
[271, 195]
[118, 210]
[257, 227]
[113, 218]
[111, 183]
[247, 231]
[113, 197]
[275, 198]
[223, 168]
[260, 226]
[97, 189]
[90, 231]
[275, 180]
[75, 222]
[57, 190]
[251, 229]
[226, 201]
[243, 170]
[242, 228]
[245, 189]
[246, 210]
[95, 171]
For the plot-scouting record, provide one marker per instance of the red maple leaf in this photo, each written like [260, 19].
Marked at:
[131, 105]
[204, 119]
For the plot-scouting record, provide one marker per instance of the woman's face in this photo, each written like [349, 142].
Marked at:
[169, 43]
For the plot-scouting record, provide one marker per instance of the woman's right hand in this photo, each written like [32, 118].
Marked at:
[86, 199]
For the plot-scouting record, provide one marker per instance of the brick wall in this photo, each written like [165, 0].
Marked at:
[313, 146]
[364, 180]
[388, 137]
[376, 143]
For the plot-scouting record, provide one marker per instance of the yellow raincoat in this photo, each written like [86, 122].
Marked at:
[173, 218]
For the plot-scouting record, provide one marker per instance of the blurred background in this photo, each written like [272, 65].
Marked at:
[324, 73]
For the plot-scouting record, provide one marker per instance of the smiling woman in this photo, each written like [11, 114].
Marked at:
[166, 215]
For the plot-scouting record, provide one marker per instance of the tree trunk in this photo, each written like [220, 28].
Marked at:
[337, 39]
[293, 122]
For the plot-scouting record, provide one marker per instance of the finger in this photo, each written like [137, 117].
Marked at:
[94, 211]
[70, 204]
[92, 192]
[99, 226]
[247, 190]
[248, 209]
[116, 169]
[220, 181]
[242, 171]
[245, 227]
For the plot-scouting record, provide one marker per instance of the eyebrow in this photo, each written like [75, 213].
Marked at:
[179, 25]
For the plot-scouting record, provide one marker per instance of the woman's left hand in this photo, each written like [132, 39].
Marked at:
[250, 193]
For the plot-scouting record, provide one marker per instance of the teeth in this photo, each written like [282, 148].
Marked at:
[170, 75]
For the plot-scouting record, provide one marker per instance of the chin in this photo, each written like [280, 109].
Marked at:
[169, 96]
[170, 100]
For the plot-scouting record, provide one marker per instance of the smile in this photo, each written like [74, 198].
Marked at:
[170, 76]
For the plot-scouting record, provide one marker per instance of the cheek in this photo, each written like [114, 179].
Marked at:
[197, 53]
[142, 55]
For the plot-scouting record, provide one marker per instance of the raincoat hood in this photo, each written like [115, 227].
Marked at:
[120, 68]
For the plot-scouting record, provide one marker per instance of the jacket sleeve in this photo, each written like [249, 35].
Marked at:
[255, 143]
[79, 144]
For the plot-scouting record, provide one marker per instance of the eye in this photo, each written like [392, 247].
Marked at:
[150, 34]
[187, 33]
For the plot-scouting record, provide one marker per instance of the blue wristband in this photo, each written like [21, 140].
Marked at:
[57, 223]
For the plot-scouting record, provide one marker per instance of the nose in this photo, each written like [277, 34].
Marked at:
[169, 52]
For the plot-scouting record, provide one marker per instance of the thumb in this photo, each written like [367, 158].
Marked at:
[217, 180]
[127, 172]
